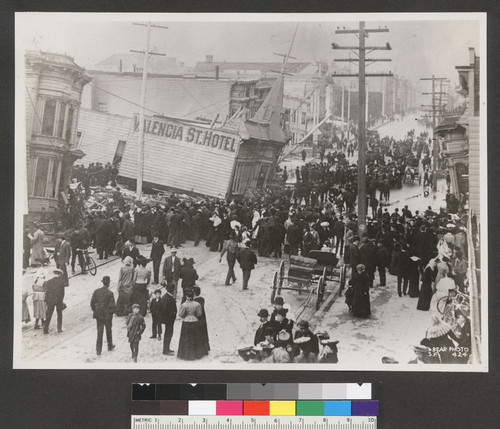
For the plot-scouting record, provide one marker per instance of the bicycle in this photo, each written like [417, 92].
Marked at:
[90, 264]
[449, 305]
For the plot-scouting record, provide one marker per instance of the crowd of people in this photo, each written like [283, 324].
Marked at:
[425, 250]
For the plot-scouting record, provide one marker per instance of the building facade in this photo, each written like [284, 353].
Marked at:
[54, 85]
[186, 97]
[238, 157]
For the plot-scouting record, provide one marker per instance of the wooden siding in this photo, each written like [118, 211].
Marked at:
[100, 135]
[180, 164]
[173, 97]
[474, 166]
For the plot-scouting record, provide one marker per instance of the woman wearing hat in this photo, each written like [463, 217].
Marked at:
[188, 275]
[437, 339]
[142, 279]
[442, 289]
[426, 289]
[39, 305]
[191, 345]
[361, 296]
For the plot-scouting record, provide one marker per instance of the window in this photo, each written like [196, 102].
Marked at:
[49, 114]
[47, 172]
[69, 124]
[52, 188]
[303, 118]
[42, 171]
[101, 107]
[60, 124]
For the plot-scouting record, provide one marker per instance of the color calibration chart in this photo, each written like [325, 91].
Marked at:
[254, 406]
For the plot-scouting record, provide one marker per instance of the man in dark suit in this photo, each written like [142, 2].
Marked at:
[168, 315]
[76, 242]
[132, 251]
[155, 309]
[103, 308]
[54, 297]
[63, 254]
[247, 259]
[265, 325]
[157, 251]
[176, 225]
[172, 269]
[311, 346]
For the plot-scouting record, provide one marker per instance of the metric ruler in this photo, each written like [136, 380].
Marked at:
[253, 422]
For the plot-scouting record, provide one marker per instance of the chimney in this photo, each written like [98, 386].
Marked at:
[209, 58]
[216, 72]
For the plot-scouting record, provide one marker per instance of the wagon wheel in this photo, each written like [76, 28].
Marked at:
[319, 294]
[279, 285]
[275, 284]
[324, 274]
[282, 273]
[342, 279]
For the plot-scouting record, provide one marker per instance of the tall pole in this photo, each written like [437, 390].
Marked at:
[342, 108]
[434, 141]
[361, 129]
[140, 147]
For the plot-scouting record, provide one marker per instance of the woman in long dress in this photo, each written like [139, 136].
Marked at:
[140, 292]
[126, 281]
[37, 250]
[39, 305]
[361, 296]
[203, 319]
[414, 276]
[425, 296]
[442, 289]
[26, 311]
[191, 345]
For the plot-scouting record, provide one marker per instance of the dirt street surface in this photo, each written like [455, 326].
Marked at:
[232, 319]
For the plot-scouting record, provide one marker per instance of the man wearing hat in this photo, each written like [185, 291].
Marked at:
[172, 269]
[103, 308]
[62, 255]
[421, 354]
[132, 251]
[265, 324]
[247, 259]
[157, 251]
[167, 317]
[54, 297]
[282, 322]
[310, 346]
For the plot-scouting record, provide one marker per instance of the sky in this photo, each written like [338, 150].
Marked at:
[420, 47]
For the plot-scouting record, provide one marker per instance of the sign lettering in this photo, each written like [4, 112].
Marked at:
[189, 134]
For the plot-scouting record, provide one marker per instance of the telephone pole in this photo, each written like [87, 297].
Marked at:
[140, 146]
[362, 50]
[436, 109]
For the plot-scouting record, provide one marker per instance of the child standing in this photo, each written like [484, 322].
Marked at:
[135, 328]
[155, 308]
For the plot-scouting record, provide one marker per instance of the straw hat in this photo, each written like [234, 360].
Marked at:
[438, 328]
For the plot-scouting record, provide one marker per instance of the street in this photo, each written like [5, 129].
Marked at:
[232, 319]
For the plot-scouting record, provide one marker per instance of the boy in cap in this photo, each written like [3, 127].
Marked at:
[265, 324]
[103, 307]
[135, 328]
[155, 308]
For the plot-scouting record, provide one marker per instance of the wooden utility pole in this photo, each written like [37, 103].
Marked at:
[436, 109]
[361, 59]
[140, 145]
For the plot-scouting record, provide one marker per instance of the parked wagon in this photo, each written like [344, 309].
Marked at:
[309, 275]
